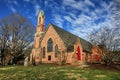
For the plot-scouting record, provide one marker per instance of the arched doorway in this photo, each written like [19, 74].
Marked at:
[79, 53]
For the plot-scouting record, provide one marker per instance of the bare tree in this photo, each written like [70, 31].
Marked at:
[62, 56]
[20, 34]
[4, 36]
[109, 42]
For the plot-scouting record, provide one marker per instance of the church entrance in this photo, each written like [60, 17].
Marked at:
[79, 53]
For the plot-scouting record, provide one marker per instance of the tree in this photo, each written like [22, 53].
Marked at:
[4, 35]
[109, 42]
[19, 32]
[62, 56]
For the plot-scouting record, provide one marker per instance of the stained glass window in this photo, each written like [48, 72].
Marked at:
[50, 45]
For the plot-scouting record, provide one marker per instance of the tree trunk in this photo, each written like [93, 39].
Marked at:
[3, 60]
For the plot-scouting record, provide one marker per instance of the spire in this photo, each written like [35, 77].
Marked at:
[41, 13]
[41, 17]
[40, 23]
[39, 29]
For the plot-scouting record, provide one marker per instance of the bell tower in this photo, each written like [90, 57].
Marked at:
[36, 55]
[40, 24]
[40, 29]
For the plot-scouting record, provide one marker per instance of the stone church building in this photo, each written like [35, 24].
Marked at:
[56, 45]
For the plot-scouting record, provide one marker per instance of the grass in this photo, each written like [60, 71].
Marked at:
[53, 72]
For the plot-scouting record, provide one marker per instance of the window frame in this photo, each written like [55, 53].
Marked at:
[56, 51]
[50, 45]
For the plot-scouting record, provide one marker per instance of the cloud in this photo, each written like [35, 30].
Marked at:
[88, 2]
[82, 19]
[58, 20]
[72, 15]
[74, 4]
[12, 8]
[79, 5]
[12, 5]
[68, 18]
[84, 23]
[37, 8]
[46, 3]
[15, 2]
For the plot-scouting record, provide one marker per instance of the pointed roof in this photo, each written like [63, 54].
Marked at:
[69, 39]
[41, 13]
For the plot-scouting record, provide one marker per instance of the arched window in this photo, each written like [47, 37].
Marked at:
[56, 51]
[43, 52]
[50, 45]
[39, 20]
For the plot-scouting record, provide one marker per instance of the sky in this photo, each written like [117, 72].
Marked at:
[80, 17]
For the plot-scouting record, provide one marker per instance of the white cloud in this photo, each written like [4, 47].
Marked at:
[75, 4]
[46, 3]
[58, 20]
[16, 3]
[82, 30]
[72, 15]
[68, 18]
[88, 2]
[82, 24]
[12, 8]
[69, 2]
[79, 5]
[82, 19]
[10, 5]
[37, 8]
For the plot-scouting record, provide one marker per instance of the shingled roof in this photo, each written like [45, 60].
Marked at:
[69, 39]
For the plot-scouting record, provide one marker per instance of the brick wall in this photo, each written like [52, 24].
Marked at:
[51, 33]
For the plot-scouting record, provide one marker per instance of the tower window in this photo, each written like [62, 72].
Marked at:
[56, 51]
[50, 45]
[39, 19]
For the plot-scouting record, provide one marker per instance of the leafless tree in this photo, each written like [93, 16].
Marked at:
[4, 36]
[109, 42]
[62, 56]
[20, 34]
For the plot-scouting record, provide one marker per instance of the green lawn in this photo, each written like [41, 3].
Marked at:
[52, 72]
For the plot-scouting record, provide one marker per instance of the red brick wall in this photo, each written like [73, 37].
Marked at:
[96, 51]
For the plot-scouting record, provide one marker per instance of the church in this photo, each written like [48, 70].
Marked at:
[55, 45]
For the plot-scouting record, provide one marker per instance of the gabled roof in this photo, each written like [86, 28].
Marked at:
[69, 39]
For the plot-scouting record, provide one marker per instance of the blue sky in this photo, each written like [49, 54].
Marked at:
[79, 17]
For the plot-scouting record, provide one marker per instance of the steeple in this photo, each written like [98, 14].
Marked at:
[40, 24]
[39, 29]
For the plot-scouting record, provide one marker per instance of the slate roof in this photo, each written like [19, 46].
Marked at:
[69, 39]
